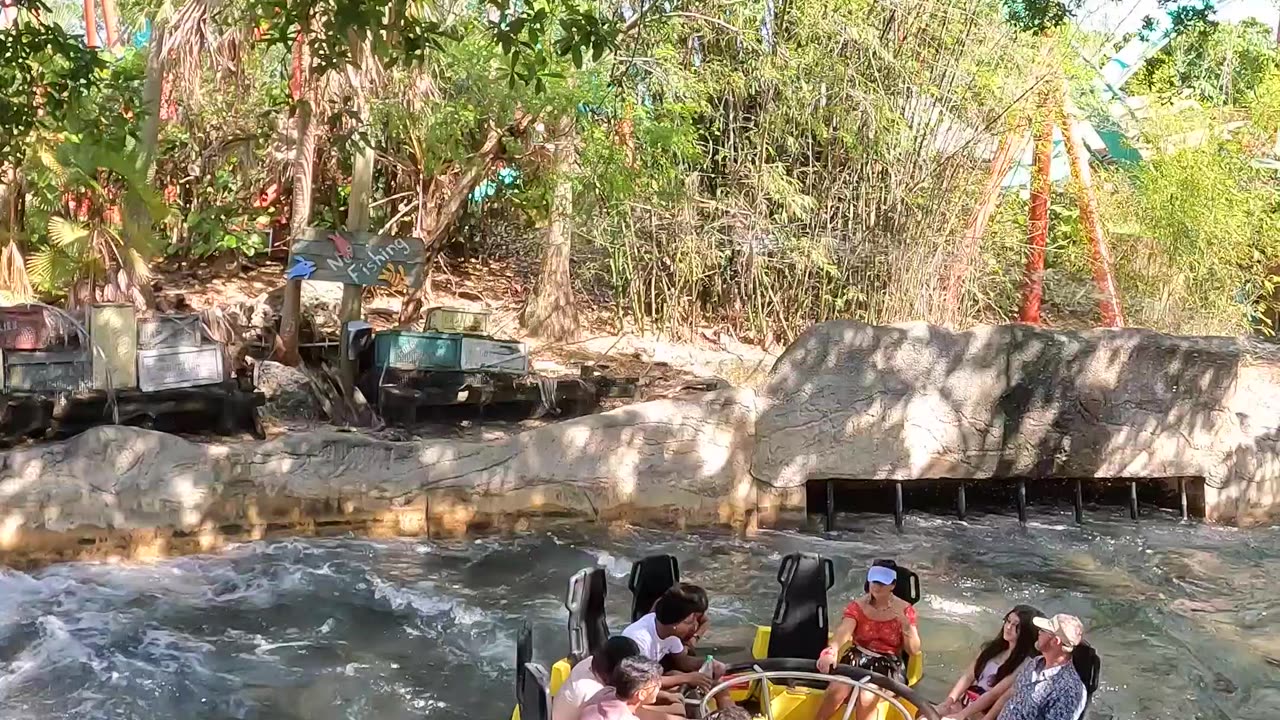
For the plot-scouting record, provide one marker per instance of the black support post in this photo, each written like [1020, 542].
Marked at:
[1079, 501]
[960, 501]
[897, 504]
[1133, 499]
[1022, 501]
[831, 505]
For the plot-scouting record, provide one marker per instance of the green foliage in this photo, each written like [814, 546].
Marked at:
[45, 75]
[1222, 65]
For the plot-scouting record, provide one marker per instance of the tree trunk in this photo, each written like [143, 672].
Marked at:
[434, 232]
[286, 346]
[1103, 278]
[90, 24]
[357, 209]
[971, 243]
[550, 312]
[1038, 214]
[138, 223]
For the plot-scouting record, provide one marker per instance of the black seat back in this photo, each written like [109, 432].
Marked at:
[650, 578]
[1089, 667]
[524, 655]
[535, 696]
[800, 624]
[588, 628]
[908, 585]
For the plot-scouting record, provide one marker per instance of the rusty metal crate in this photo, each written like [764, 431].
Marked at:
[179, 367]
[114, 330]
[24, 328]
[457, 320]
[497, 356]
[46, 371]
[167, 331]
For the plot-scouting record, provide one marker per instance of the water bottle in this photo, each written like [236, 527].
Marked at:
[709, 668]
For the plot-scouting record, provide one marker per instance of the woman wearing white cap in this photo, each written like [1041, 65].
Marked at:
[881, 625]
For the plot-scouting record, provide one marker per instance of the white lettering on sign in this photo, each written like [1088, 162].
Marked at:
[364, 271]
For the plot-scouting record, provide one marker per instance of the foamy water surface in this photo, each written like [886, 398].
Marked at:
[1185, 616]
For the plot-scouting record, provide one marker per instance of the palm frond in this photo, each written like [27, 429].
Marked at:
[14, 281]
[64, 233]
[45, 267]
[137, 266]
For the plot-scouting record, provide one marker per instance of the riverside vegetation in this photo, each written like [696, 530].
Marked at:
[755, 166]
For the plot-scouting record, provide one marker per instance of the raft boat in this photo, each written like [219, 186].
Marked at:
[780, 682]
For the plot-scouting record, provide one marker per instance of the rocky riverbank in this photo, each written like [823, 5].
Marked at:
[845, 401]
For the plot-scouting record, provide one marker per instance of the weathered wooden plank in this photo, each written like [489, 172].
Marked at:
[357, 258]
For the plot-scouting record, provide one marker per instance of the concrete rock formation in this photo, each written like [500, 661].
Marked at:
[128, 492]
[289, 392]
[844, 401]
[848, 400]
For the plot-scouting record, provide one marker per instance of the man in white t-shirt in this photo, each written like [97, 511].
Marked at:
[664, 633]
[590, 676]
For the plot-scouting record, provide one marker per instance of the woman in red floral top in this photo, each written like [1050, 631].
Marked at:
[881, 626]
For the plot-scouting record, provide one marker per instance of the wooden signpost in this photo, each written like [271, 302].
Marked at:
[357, 260]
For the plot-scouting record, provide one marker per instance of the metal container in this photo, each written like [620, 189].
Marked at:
[24, 328]
[114, 331]
[44, 371]
[496, 356]
[406, 350]
[457, 320]
[180, 367]
[164, 331]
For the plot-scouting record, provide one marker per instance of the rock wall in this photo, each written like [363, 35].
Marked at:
[119, 491]
[845, 401]
[848, 400]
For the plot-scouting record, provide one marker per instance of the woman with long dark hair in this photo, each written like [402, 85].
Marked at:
[984, 681]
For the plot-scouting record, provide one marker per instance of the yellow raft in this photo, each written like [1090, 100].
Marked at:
[778, 683]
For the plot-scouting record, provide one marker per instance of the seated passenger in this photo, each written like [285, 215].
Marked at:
[701, 627]
[700, 597]
[991, 674]
[675, 619]
[663, 634]
[590, 676]
[633, 684]
[1048, 687]
[881, 625]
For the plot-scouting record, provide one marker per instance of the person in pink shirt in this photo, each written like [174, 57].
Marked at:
[634, 684]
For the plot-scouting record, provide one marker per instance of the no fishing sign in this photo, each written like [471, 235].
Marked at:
[357, 258]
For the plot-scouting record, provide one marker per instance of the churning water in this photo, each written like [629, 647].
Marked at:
[1186, 617]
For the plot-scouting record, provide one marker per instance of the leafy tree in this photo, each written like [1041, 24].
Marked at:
[1220, 64]
[45, 74]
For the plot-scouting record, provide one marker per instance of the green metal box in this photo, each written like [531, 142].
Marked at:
[407, 350]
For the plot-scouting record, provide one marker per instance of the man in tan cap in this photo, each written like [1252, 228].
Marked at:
[1048, 687]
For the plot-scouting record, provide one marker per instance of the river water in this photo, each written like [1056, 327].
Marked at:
[1186, 617]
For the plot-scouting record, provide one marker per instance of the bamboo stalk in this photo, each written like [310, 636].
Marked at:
[971, 242]
[1103, 278]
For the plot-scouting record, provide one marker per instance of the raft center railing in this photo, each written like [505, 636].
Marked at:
[829, 496]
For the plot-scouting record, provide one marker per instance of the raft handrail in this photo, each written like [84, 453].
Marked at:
[843, 674]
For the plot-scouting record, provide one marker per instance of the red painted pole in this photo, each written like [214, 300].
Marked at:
[90, 24]
[1103, 278]
[1038, 216]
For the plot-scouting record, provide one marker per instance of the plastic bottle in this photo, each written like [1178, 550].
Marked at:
[709, 667]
